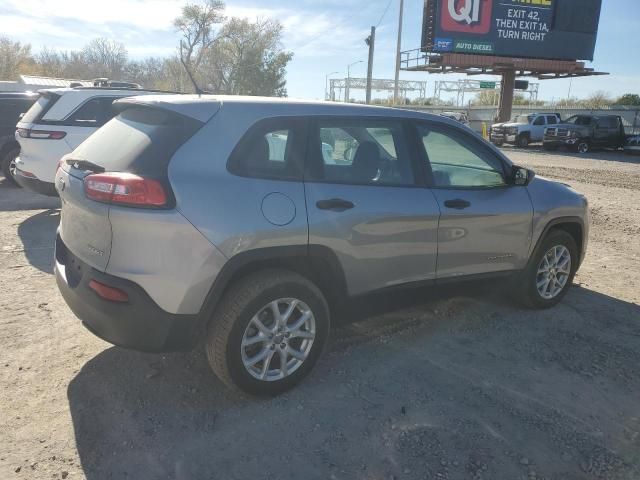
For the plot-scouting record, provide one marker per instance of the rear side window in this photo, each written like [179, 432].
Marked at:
[94, 113]
[609, 122]
[272, 148]
[552, 120]
[11, 109]
[38, 109]
[140, 140]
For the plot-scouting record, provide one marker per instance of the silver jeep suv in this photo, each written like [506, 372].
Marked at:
[248, 222]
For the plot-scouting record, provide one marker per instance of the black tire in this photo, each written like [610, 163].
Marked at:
[8, 165]
[522, 141]
[583, 147]
[239, 305]
[527, 291]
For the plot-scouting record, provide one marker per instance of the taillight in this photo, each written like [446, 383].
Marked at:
[108, 293]
[125, 189]
[41, 134]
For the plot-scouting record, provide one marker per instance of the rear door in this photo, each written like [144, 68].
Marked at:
[485, 224]
[365, 205]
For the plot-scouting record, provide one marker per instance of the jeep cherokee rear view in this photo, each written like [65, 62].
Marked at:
[246, 222]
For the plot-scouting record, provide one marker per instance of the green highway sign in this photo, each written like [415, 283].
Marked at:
[491, 85]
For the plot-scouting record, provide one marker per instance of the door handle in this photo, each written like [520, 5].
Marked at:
[457, 204]
[335, 204]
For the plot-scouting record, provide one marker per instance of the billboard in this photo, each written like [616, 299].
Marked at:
[547, 29]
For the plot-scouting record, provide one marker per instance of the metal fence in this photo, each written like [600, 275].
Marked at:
[487, 115]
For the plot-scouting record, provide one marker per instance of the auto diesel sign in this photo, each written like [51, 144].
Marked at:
[550, 29]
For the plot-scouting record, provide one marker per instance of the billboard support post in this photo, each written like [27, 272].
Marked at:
[506, 95]
[371, 41]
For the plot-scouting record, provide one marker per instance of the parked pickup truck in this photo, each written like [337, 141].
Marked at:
[523, 129]
[582, 133]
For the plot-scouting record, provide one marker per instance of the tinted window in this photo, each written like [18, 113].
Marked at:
[458, 161]
[271, 149]
[10, 111]
[94, 113]
[579, 120]
[609, 122]
[552, 120]
[539, 121]
[361, 151]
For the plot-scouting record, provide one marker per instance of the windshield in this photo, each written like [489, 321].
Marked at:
[523, 119]
[579, 120]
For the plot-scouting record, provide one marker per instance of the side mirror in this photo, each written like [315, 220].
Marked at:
[521, 176]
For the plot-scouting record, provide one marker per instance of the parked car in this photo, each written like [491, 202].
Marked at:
[632, 147]
[585, 132]
[460, 117]
[184, 219]
[12, 106]
[523, 129]
[58, 122]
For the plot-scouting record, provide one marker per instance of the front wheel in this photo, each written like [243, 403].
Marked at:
[583, 147]
[9, 166]
[268, 332]
[522, 141]
[550, 271]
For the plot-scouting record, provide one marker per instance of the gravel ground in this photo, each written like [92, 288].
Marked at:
[455, 384]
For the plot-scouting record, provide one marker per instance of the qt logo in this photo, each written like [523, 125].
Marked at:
[467, 16]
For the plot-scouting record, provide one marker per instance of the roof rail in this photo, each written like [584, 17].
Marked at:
[106, 83]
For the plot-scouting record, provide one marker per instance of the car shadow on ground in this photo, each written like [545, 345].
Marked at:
[38, 236]
[14, 198]
[166, 416]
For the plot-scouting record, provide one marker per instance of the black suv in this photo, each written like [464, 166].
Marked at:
[585, 132]
[12, 106]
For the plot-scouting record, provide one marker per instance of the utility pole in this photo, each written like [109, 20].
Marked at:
[399, 47]
[346, 88]
[371, 41]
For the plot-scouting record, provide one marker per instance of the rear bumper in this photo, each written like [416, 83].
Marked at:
[138, 324]
[34, 184]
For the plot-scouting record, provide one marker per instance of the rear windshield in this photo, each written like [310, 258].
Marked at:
[140, 140]
[38, 109]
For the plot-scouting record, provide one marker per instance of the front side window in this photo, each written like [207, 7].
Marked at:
[552, 120]
[269, 150]
[539, 121]
[459, 162]
[361, 151]
[579, 120]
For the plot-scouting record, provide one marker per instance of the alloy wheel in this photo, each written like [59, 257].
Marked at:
[278, 339]
[553, 272]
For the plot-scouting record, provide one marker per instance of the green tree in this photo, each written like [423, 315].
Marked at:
[248, 59]
[629, 99]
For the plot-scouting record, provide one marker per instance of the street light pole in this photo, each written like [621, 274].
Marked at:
[326, 85]
[398, 48]
[346, 88]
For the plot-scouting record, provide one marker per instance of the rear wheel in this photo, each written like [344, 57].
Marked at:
[9, 166]
[550, 271]
[268, 332]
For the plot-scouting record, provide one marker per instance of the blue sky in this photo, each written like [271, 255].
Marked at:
[324, 35]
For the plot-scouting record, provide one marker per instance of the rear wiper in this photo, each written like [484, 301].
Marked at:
[85, 165]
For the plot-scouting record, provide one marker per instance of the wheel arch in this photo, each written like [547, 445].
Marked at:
[317, 263]
[574, 226]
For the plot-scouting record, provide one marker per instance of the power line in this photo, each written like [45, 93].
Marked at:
[384, 13]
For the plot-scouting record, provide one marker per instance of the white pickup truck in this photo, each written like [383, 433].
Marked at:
[523, 129]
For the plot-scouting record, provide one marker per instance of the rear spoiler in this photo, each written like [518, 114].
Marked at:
[197, 107]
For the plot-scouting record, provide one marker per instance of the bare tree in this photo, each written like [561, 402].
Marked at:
[197, 27]
[106, 58]
[14, 58]
[597, 100]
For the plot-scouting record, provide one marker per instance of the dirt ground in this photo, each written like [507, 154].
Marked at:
[456, 384]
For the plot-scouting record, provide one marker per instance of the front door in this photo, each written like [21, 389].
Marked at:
[485, 223]
[365, 205]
